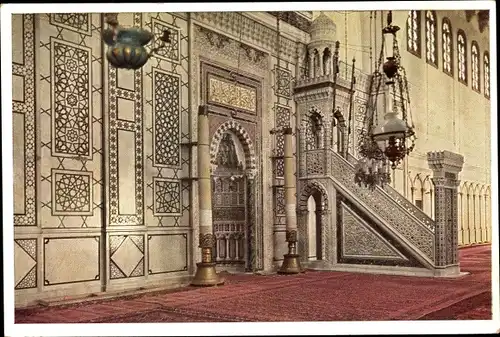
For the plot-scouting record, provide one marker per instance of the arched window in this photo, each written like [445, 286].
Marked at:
[447, 47]
[486, 74]
[462, 56]
[476, 75]
[431, 38]
[314, 131]
[413, 33]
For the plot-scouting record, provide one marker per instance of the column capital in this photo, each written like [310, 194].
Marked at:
[445, 164]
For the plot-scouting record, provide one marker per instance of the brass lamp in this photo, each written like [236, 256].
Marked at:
[127, 45]
[390, 141]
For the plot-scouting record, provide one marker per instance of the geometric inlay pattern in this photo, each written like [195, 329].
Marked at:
[26, 258]
[359, 240]
[126, 256]
[280, 201]
[283, 83]
[72, 192]
[27, 108]
[167, 199]
[77, 22]
[171, 50]
[166, 110]
[282, 121]
[115, 124]
[71, 87]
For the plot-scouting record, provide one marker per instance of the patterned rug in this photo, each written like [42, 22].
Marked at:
[311, 296]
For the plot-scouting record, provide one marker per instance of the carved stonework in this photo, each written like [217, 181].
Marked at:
[291, 236]
[241, 26]
[254, 55]
[215, 39]
[359, 240]
[446, 166]
[294, 19]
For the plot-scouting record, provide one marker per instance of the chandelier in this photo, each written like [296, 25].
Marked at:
[127, 45]
[384, 145]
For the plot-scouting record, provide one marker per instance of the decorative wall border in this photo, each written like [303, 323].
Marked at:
[115, 124]
[27, 71]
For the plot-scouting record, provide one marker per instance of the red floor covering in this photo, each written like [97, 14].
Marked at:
[311, 296]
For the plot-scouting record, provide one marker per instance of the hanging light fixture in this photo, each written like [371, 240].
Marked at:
[383, 146]
[127, 45]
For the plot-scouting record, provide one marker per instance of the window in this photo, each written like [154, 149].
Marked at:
[413, 33]
[486, 74]
[474, 53]
[431, 37]
[462, 56]
[447, 47]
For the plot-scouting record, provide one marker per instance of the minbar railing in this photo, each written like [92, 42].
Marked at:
[399, 213]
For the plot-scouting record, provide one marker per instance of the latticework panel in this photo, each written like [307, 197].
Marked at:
[382, 204]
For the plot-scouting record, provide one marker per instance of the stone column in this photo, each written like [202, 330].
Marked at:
[446, 166]
[205, 271]
[291, 263]
[321, 63]
[303, 235]
[311, 64]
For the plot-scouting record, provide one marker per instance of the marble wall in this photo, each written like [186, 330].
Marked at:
[100, 198]
[104, 190]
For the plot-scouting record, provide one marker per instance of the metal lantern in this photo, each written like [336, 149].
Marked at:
[127, 45]
[394, 138]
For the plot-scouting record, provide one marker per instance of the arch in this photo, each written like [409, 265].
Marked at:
[313, 131]
[313, 110]
[475, 67]
[428, 196]
[309, 189]
[486, 71]
[431, 37]
[317, 66]
[244, 138]
[447, 47]
[462, 56]
[327, 61]
[413, 27]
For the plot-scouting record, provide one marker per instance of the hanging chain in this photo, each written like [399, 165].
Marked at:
[366, 144]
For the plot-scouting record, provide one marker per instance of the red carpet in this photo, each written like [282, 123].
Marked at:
[312, 296]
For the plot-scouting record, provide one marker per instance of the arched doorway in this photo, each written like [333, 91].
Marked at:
[314, 227]
[232, 202]
[313, 222]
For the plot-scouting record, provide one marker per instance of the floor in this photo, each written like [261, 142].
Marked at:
[310, 296]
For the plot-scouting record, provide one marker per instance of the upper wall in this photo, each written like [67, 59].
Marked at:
[448, 114]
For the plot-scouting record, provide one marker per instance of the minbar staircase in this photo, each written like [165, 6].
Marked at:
[372, 230]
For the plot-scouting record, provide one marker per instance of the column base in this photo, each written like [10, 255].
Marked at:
[291, 265]
[206, 276]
